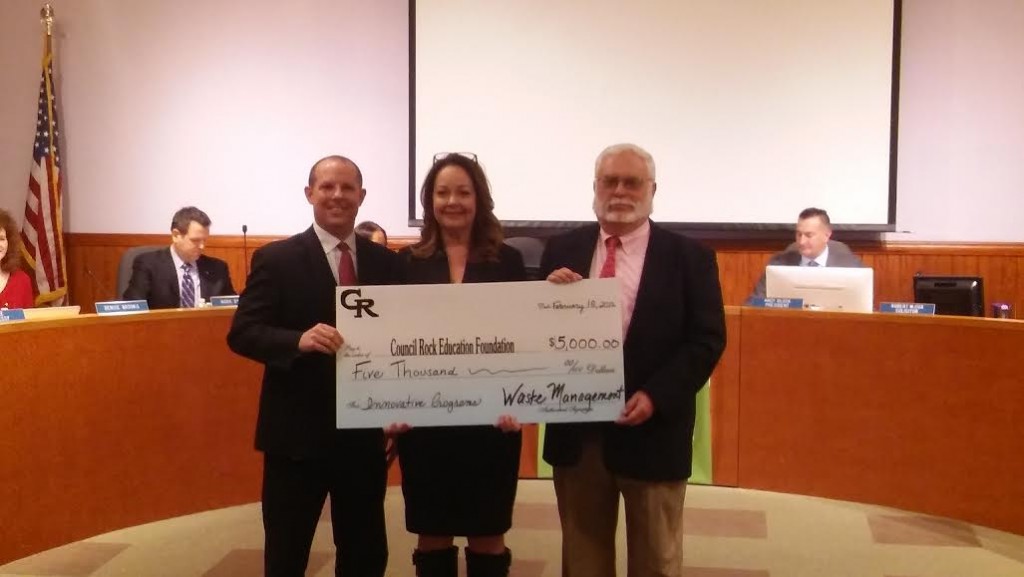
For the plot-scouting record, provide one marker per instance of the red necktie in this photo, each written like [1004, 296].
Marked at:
[346, 270]
[608, 268]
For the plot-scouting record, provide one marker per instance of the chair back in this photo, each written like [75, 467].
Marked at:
[532, 249]
[124, 267]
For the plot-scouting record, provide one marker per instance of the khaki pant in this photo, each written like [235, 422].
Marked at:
[588, 506]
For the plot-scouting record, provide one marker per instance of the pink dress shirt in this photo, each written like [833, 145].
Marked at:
[629, 264]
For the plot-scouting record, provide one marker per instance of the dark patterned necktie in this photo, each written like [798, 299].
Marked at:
[188, 288]
[813, 263]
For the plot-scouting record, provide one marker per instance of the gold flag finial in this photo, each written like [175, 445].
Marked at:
[46, 17]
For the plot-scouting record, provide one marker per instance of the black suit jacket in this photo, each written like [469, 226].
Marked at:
[675, 338]
[155, 279]
[289, 290]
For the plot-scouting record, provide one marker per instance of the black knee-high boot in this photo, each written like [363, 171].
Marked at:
[488, 565]
[439, 563]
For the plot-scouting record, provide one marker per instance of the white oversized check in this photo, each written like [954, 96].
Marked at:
[462, 354]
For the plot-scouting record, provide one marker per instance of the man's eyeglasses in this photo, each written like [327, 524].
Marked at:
[629, 183]
[443, 155]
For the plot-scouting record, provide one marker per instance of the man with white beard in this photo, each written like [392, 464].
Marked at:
[673, 327]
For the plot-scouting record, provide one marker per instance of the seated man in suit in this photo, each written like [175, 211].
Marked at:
[813, 247]
[179, 276]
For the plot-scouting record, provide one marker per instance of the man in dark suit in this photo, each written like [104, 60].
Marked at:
[180, 276]
[674, 333]
[813, 247]
[285, 320]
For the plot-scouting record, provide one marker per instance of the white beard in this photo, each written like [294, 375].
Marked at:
[638, 211]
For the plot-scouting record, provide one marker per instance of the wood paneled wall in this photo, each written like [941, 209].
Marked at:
[895, 264]
[93, 260]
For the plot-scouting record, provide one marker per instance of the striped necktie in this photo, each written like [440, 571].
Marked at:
[188, 288]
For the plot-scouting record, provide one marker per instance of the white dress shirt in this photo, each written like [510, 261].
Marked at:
[332, 251]
[821, 259]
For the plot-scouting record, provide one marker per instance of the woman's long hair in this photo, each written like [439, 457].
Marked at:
[11, 260]
[485, 238]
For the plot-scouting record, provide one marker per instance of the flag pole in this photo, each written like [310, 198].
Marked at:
[46, 18]
[42, 232]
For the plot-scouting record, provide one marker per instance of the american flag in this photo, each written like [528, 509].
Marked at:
[42, 234]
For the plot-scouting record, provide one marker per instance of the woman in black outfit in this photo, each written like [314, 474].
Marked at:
[460, 481]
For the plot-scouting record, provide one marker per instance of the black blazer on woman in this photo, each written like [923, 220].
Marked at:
[434, 269]
[459, 480]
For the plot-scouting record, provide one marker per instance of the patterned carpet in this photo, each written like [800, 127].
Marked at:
[729, 533]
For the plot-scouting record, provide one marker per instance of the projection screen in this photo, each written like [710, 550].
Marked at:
[752, 109]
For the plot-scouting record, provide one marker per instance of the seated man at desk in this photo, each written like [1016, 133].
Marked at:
[813, 247]
[180, 276]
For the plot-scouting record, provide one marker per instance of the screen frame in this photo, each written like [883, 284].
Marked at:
[546, 228]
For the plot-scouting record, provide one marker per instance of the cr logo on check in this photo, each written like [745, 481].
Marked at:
[360, 305]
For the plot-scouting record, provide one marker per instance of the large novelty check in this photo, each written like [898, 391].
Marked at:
[464, 354]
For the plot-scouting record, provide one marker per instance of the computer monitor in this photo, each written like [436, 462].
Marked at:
[951, 295]
[824, 288]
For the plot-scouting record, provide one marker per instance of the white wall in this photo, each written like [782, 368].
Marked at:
[334, 79]
[961, 165]
[224, 104]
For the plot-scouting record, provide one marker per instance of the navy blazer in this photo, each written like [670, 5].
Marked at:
[155, 279]
[289, 290]
[674, 341]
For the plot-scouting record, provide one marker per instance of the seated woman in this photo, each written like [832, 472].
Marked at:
[459, 481]
[15, 286]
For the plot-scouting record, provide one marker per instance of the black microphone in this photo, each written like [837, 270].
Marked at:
[245, 250]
